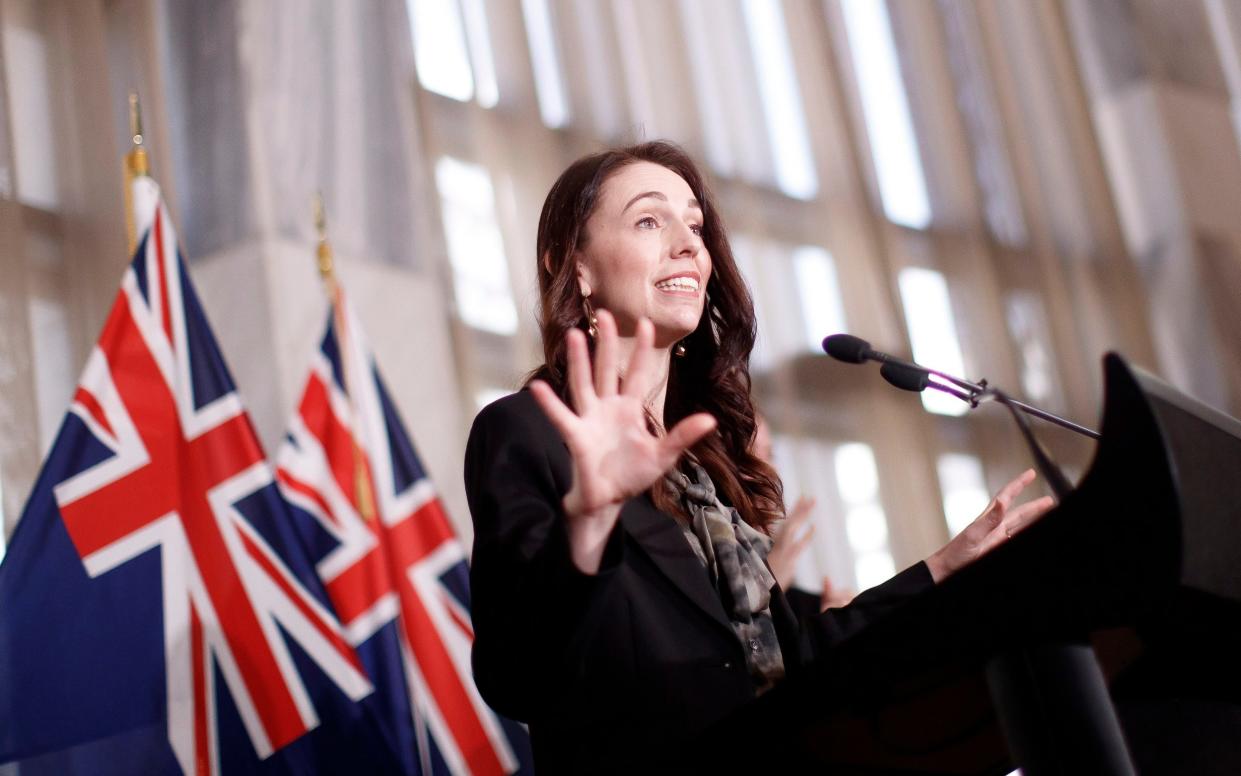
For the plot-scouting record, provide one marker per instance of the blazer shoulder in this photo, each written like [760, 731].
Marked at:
[517, 412]
[515, 422]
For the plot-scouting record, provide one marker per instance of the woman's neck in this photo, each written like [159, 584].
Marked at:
[654, 400]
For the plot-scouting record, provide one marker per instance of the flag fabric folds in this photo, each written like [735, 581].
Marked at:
[390, 561]
[159, 612]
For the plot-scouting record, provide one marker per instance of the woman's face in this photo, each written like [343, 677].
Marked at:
[644, 254]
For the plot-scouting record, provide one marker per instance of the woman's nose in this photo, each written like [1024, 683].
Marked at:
[686, 243]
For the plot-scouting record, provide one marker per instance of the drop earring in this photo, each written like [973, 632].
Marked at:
[592, 321]
[679, 350]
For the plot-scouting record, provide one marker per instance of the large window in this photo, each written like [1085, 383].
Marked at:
[30, 93]
[964, 489]
[781, 96]
[475, 248]
[797, 298]
[822, 306]
[885, 108]
[1027, 325]
[933, 333]
[750, 254]
[545, 59]
[857, 480]
[440, 54]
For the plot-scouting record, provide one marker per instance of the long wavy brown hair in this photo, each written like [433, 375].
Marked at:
[713, 376]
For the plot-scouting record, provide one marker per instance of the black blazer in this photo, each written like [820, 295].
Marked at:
[616, 666]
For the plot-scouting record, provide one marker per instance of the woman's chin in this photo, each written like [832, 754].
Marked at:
[669, 333]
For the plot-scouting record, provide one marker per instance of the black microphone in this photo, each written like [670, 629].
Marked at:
[910, 377]
[855, 350]
[850, 349]
[904, 377]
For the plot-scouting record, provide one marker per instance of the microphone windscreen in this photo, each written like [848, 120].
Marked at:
[846, 347]
[907, 378]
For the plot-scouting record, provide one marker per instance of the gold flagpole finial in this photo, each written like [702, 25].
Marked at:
[135, 118]
[327, 268]
[137, 156]
[135, 165]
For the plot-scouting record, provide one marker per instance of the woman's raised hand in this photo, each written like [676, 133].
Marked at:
[791, 542]
[615, 455]
[998, 523]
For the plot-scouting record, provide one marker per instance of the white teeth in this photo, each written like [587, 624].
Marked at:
[678, 284]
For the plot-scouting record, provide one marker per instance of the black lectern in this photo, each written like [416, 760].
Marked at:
[1134, 579]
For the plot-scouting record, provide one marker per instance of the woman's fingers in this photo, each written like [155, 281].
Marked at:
[1021, 516]
[561, 416]
[606, 346]
[798, 543]
[580, 387]
[800, 512]
[641, 363]
[683, 436]
[1017, 520]
[1010, 491]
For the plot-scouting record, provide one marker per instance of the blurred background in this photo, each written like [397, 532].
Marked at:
[1000, 188]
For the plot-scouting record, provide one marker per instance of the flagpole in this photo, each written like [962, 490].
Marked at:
[362, 486]
[136, 165]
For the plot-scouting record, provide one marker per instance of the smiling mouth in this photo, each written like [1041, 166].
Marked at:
[679, 285]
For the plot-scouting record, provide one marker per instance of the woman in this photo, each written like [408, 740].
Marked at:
[621, 598]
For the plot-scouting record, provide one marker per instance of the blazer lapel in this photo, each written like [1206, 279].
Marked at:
[662, 539]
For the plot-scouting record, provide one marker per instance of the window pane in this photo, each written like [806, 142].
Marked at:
[475, 247]
[548, 82]
[440, 54]
[811, 567]
[866, 525]
[1027, 325]
[30, 104]
[886, 111]
[746, 253]
[868, 532]
[782, 105]
[976, 102]
[822, 308]
[932, 333]
[964, 488]
[856, 474]
[702, 49]
[479, 36]
[874, 569]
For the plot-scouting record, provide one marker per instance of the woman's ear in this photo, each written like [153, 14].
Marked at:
[583, 277]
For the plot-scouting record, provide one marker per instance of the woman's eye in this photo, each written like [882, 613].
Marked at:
[648, 222]
[696, 229]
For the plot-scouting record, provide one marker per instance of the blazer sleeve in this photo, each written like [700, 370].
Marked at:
[533, 610]
[835, 625]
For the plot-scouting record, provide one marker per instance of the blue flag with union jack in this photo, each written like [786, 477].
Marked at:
[392, 565]
[159, 613]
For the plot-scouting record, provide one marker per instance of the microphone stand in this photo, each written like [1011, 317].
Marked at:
[1056, 479]
[900, 373]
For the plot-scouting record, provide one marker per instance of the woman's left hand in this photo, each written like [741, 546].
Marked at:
[791, 541]
[998, 523]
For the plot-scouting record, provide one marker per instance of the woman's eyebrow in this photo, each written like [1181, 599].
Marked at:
[660, 196]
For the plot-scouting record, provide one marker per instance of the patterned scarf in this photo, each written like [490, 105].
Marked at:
[735, 555]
